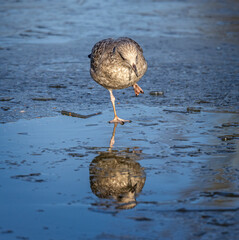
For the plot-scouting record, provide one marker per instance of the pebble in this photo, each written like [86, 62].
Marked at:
[157, 93]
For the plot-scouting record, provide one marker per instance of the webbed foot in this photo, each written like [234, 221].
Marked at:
[137, 89]
[119, 120]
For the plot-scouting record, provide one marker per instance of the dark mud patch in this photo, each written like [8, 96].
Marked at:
[201, 101]
[222, 194]
[6, 99]
[141, 219]
[32, 177]
[148, 124]
[23, 133]
[78, 155]
[57, 86]
[72, 114]
[233, 124]
[182, 146]
[22, 238]
[221, 222]
[5, 108]
[44, 99]
[200, 110]
[193, 109]
[229, 137]
[7, 232]
[213, 210]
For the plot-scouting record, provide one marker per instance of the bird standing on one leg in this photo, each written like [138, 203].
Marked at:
[117, 64]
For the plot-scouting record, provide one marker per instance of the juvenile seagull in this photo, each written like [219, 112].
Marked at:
[117, 64]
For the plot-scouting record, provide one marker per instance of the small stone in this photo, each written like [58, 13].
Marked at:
[156, 93]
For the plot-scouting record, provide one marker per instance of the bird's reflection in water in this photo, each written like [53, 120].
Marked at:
[117, 176]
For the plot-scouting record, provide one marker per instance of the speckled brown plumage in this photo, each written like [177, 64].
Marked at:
[109, 65]
[117, 64]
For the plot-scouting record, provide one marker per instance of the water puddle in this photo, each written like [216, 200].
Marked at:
[86, 176]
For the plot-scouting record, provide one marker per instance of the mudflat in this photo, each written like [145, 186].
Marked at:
[180, 154]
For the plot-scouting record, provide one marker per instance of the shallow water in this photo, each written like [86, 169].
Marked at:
[178, 161]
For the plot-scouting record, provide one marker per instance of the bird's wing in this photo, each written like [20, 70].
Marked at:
[131, 41]
[98, 51]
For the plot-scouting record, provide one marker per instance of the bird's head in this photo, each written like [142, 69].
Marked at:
[129, 55]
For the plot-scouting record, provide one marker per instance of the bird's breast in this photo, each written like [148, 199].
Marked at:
[113, 74]
[114, 77]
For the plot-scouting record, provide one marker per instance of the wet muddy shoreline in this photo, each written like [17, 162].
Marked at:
[172, 173]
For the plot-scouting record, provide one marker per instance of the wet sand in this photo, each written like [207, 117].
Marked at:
[180, 153]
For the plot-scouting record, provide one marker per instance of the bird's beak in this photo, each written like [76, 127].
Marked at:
[135, 69]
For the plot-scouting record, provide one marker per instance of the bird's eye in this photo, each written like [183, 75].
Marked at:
[121, 56]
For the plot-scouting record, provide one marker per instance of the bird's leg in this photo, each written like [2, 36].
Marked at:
[116, 118]
[137, 89]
